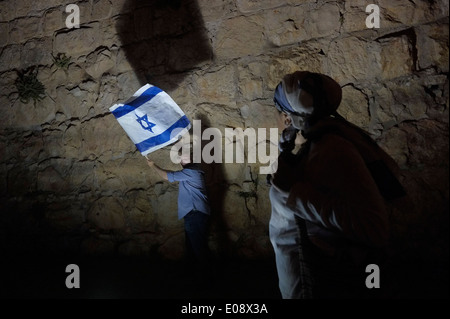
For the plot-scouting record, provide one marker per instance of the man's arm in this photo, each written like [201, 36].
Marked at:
[161, 172]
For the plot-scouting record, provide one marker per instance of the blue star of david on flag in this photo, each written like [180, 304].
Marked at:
[144, 120]
[151, 118]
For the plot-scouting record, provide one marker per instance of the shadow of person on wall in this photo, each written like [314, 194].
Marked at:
[163, 39]
[216, 186]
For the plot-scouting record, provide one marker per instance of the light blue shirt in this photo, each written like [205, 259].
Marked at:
[192, 190]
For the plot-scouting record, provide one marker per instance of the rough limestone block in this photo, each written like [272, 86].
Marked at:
[99, 62]
[355, 107]
[23, 29]
[54, 20]
[433, 46]
[106, 213]
[10, 57]
[218, 87]
[352, 60]
[248, 6]
[50, 180]
[396, 59]
[239, 37]
[354, 16]
[291, 25]
[75, 42]
[36, 52]
[174, 247]
[399, 102]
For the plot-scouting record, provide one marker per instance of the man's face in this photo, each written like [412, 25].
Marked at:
[283, 120]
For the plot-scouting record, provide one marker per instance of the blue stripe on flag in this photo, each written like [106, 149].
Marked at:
[163, 137]
[146, 96]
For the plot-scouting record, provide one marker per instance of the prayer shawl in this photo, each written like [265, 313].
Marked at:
[312, 194]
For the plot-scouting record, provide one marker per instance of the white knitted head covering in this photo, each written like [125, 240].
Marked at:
[308, 96]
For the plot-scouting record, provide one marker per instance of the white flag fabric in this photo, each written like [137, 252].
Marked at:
[151, 118]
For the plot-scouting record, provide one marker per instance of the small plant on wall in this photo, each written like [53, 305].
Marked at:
[29, 87]
[61, 60]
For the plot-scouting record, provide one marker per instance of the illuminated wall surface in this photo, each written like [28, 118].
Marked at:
[72, 182]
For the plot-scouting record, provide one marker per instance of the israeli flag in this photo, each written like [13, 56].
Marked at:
[151, 118]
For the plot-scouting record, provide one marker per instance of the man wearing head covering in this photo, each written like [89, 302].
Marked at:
[329, 219]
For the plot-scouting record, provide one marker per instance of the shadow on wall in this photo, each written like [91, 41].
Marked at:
[162, 39]
[216, 187]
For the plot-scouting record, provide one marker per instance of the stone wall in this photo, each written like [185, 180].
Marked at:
[73, 182]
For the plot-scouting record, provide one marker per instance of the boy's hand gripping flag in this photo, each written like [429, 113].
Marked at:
[151, 119]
